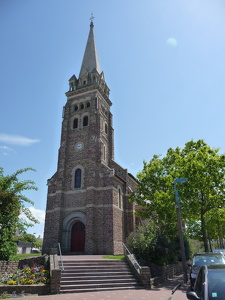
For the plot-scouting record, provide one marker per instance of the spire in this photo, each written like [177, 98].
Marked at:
[90, 59]
[90, 72]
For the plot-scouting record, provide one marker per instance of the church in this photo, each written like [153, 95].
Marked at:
[87, 208]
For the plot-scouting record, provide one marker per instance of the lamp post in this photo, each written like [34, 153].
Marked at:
[33, 240]
[181, 236]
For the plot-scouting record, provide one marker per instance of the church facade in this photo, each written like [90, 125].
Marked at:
[87, 207]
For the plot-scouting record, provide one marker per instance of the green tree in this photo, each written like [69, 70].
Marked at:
[202, 194]
[12, 204]
[150, 243]
[30, 238]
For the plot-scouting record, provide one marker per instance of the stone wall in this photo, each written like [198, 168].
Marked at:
[12, 266]
[162, 273]
[39, 289]
[8, 266]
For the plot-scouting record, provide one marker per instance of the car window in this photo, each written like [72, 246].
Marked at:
[217, 290]
[216, 285]
[199, 261]
[202, 260]
[199, 285]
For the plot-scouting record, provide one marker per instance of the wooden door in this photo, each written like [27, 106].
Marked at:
[78, 237]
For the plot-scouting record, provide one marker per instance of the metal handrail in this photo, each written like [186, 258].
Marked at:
[135, 262]
[60, 253]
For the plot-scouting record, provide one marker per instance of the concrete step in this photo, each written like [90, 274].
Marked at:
[96, 275]
[99, 289]
[88, 261]
[99, 281]
[94, 265]
[77, 287]
[91, 270]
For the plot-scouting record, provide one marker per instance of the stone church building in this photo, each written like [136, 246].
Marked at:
[87, 203]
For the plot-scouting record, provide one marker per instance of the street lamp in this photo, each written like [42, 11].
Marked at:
[33, 240]
[181, 236]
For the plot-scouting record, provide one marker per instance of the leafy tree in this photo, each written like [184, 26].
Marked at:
[203, 194]
[12, 204]
[30, 238]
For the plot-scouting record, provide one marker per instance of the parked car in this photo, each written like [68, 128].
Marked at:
[35, 251]
[210, 284]
[204, 258]
[219, 250]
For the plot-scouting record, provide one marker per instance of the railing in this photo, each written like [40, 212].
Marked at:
[132, 258]
[60, 253]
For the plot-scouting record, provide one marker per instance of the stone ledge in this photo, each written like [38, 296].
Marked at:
[40, 289]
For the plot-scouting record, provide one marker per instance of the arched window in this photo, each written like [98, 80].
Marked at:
[88, 104]
[75, 107]
[77, 179]
[82, 106]
[85, 121]
[75, 123]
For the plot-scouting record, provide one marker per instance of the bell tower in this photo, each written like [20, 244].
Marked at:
[87, 205]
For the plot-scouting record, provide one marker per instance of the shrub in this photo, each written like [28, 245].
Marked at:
[149, 244]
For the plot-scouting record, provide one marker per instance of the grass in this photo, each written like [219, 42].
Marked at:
[22, 256]
[114, 256]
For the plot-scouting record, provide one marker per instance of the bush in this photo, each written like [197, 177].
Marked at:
[151, 245]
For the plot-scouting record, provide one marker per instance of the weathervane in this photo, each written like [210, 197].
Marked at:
[92, 17]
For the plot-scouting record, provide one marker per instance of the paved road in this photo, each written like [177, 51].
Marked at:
[157, 293]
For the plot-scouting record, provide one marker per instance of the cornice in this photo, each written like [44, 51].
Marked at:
[86, 90]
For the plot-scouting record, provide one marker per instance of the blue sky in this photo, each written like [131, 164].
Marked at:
[163, 60]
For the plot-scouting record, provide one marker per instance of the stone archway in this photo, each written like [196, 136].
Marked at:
[68, 224]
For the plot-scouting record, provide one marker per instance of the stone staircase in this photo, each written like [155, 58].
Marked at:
[96, 275]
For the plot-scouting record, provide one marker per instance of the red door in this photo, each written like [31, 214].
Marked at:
[78, 237]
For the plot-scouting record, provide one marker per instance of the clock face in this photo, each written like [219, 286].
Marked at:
[79, 146]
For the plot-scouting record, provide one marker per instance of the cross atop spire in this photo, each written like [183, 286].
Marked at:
[92, 18]
[90, 59]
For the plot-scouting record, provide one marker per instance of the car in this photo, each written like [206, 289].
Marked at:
[210, 284]
[35, 251]
[204, 258]
[219, 250]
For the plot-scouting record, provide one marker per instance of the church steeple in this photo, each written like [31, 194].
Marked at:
[90, 59]
[90, 72]
[87, 207]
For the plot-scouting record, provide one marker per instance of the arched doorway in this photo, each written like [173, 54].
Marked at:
[77, 237]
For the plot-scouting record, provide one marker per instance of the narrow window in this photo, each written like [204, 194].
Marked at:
[85, 121]
[120, 199]
[84, 82]
[75, 107]
[88, 104]
[75, 123]
[77, 181]
[82, 106]
[106, 128]
[104, 153]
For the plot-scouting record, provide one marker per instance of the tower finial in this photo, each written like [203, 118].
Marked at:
[92, 18]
